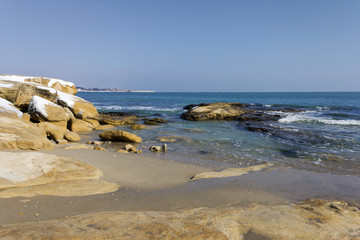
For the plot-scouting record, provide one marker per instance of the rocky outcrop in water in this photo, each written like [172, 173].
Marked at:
[215, 111]
[312, 219]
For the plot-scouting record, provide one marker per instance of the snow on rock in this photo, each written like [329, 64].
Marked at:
[6, 85]
[54, 83]
[41, 109]
[6, 106]
[79, 107]
[39, 104]
[67, 99]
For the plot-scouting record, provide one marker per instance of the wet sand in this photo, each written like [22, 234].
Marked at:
[152, 184]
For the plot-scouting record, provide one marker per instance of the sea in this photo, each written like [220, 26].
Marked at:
[324, 136]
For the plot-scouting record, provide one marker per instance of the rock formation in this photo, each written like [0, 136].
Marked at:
[312, 219]
[29, 174]
[214, 111]
[42, 107]
[119, 136]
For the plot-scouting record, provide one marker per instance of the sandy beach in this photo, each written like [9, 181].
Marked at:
[70, 172]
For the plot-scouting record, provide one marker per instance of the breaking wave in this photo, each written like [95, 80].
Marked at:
[307, 117]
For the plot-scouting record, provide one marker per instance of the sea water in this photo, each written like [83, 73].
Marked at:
[324, 136]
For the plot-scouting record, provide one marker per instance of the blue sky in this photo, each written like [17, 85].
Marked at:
[185, 45]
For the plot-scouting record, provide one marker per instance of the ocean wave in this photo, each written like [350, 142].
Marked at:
[138, 108]
[304, 117]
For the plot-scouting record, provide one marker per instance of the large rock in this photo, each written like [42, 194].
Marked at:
[29, 174]
[119, 136]
[21, 93]
[8, 107]
[58, 84]
[53, 132]
[17, 134]
[81, 108]
[77, 125]
[313, 219]
[72, 136]
[41, 109]
[215, 111]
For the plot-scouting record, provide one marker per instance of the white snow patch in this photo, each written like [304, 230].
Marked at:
[17, 78]
[51, 90]
[39, 104]
[69, 99]
[6, 85]
[18, 167]
[9, 107]
[62, 82]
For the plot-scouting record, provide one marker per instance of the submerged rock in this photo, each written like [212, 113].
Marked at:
[119, 136]
[230, 172]
[154, 121]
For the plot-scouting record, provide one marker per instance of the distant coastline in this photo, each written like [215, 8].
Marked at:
[82, 89]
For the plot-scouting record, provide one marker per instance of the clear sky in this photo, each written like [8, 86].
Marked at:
[185, 45]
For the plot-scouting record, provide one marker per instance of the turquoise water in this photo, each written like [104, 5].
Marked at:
[325, 136]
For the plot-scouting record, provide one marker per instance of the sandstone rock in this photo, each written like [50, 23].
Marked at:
[29, 174]
[155, 148]
[154, 121]
[131, 149]
[99, 148]
[137, 127]
[122, 151]
[93, 122]
[41, 109]
[173, 139]
[17, 134]
[105, 127]
[215, 111]
[114, 119]
[80, 108]
[119, 136]
[8, 107]
[58, 84]
[21, 93]
[94, 142]
[53, 132]
[78, 146]
[77, 125]
[72, 136]
[26, 117]
[231, 172]
[9, 90]
[314, 219]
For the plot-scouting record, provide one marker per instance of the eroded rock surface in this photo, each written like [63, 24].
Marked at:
[119, 136]
[215, 111]
[313, 219]
[17, 134]
[231, 172]
[29, 174]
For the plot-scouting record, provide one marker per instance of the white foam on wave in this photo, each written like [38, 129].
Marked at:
[144, 108]
[307, 117]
